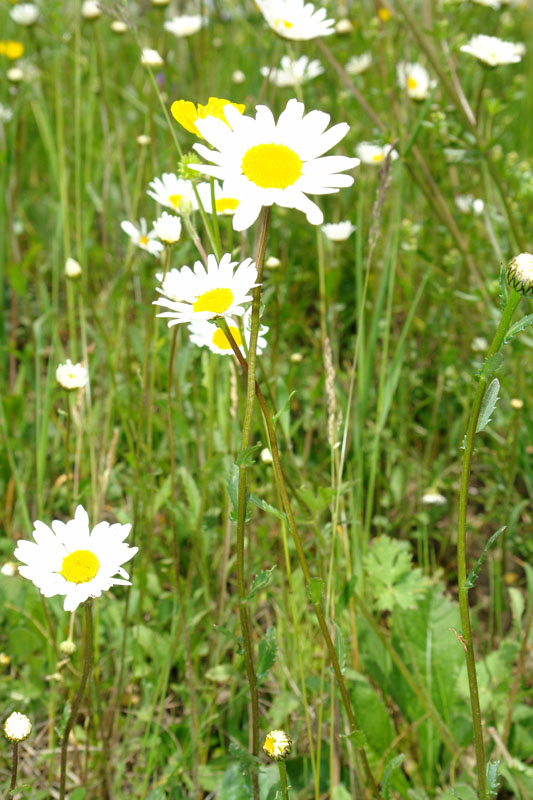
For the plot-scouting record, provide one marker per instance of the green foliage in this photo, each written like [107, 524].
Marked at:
[266, 654]
[474, 573]
[392, 580]
[261, 581]
[488, 405]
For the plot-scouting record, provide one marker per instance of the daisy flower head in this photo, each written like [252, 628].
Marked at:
[71, 376]
[187, 114]
[184, 25]
[69, 559]
[520, 274]
[338, 231]
[296, 19]
[17, 727]
[171, 284]
[205, 334]
[374, 154]
[493, 51]
[151, 58]
[173, 192]
[293, 72]
[141, 237]
[225, 206]
[168, 228]
[277, 745]
[90, 10]
[414, 78]
[358, 64]
[216, 291]
[263, 162]
[24, 13]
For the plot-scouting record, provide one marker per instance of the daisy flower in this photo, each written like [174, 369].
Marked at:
[172, 286]
[370, 153]
[414, 78]
[218, 291]
[168, 228]
[17, 727]
[205, 334]
[68, 559]
[294, 19]
[24, 13]
[520, 274]
[141, 237]
[71, 376]
[468, 204]
[151, 58]
[187, 114]
[338, 231]
[184, 25]
[493, 51]
[277, 745]
[358, 64]
[495, 4]
[90, 10]
[264, 162]
[293, 73]
[225, 205]
[173, 192]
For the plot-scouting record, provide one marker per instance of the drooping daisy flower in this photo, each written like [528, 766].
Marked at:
[69, 559]
[225, 206]
[71, 376]
[520, 274]
[295, 19]
[433, 498]
[414, 78]
[468, 204]
[173, 192]
[184, 25]
[17, 727]
[187, 114]
[141, 237]
[263, 162]
[168, 228]
[374, 154]
[338, 231]
[206, 334]
[358, 64]
[293, 73]
[24, 13]
[493, 51]
[277, 745]
[11, 50]
[218, 291]
[151, 58]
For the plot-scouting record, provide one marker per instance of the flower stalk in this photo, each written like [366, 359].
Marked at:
[14, 767]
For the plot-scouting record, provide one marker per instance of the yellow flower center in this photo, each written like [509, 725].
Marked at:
[272, 166]
[143, 240]
[378, 157]
[186, 113]
[221, 341]
[175, 199]
[81, 566]
[411, 83]
[269, 746]
[215, 300]
[224, 204]
[384, 14]
[284, 23]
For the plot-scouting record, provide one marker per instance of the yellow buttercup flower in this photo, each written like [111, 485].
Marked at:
[11, 50]
[186, 113]
[384, 14]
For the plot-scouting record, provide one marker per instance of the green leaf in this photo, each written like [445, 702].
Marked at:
[340, 792]
[266, 654]
[493, 782]
[237, 640]
[340, 648]
[191, 491]
[393, 764]
[284, 407]
[245, 457]
[523, 323]
[315, 590]
[392, 579]
[260, 503]
[488, 405]
[492, 363]
[472, 578]
[261, 581]
[234, 785]
[233, 491]
[78, 794]
[357, 738]
[243, 756]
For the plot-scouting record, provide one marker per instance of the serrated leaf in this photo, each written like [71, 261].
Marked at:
[260, 503]
[392, 579]
[246, 760]
[521, 325]
[245, 457]
[315, 590]
[393, 764]
[340, 647]
[261, 580]
[267, 652]
[488, 405]
[493, 778]
[473, 576]
[492, 363]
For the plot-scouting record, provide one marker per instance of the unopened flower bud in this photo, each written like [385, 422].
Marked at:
[17, 727]
[277, 745]
[266, 456]
[68, 647]
[520, 274]
[72, 268]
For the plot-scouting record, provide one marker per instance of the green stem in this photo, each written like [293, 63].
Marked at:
[87, 668]
[283, 780]
[14, 766]
[67, 454]
[510, 307]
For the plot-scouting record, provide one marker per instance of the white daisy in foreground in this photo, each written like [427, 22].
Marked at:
[206, 334]
[71, 376]
[218, 291]
[493, 51]
[293, 73]
[151, 58]
[369, 153]
[141, 237]
[24, 13]
[17, 727]
[338, 231]
[173, 192]
[295, 19]
[168, 228]
[468, 204]
[414, 78]
[277, 745]
[225, 206]
[263, 162]
[68, 559]
[184, 25]
[358, 64]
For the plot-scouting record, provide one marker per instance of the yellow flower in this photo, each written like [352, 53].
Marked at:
[277, 745]
[384, 14]
[11, 49]
[186, 113]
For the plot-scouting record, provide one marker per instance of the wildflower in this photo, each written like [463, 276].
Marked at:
[118, 26]
[338, 231]
[493, 51]
[516, 403]
[171, 285]
[277, 745]
[71, 376]
[344, 26]
[168, 228]
[384, 14]
[520, 274]
[143, 140]
[187, 114]
[15, 74]
[238, 77]
[358, 64]
[160, 2]
[206, 334]
[296, 19]
[5, 660]
[24, 13]
[479, 344]
[266, 458]
[225, 205]
[495, 4]
[263, 162]
[9, 569]
[141, 237]
[293, 73]
[369, 153]
[433, 498]
[468, 204]
[72, 268]
[11, 50]
[68, 559]
[414, 78]
[173, 192]
[184, 25]
[219, 290]
[272, 262]
[296, 358]
[90, 10]
[17, 727]
[151, 58]
[68, 647]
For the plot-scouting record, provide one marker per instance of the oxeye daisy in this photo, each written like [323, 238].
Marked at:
[263, 162]
[206, 334]
[141, 237]
[414, 78]
[358, 64]
[295, 19]
[71, 560]
[173, 192]
[493, 51]
[17, 727]
[225, 206]
[293, 72]
[218, 291]
[338, 231]
[168, 228]
[187, 114]
[71, 376]
[25, 13]
[374, 153]
[184, 25]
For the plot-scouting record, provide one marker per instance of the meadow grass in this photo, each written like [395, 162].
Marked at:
[313, 549]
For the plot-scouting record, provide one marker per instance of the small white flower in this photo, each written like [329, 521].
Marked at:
[118, 26]
[493, 51]
[71, 376]
[296, 19]
[143, 140]
[338, 231]
[160, 2]
[90, 10]
[358, 64]
[68, 559]
[24, 13]
[219, 290]
[15, 75]
[272, 262]
[72, 268]
[266, 456]
[344, 26]
[6, 114]
[495, 4]
[414, 78]
[184, 25]
[17, 727]
[141, 237]
[225, 206]
[468, 204]
[168, 228]
[479, 344]
[9, 569]
[433, 498]
[293, 73]
[296, 358]
[173, 192]
[151, 58]
[375, 154]
[238, 77]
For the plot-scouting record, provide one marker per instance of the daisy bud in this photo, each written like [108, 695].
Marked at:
[118, 26]
[9, 569]
[520, 274]
[272, 262]
[151, 58]
[266, 456]
[90, 10]
[72, 268]
[277, 745]
[143, 140]
[168, 228]
[296, 358]
[17, 727]
[344, 26]
[517, 404]
[68, 647]
[238, 77]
